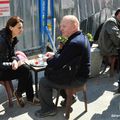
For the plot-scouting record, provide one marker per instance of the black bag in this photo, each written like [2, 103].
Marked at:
[97, 33]
[64, 75]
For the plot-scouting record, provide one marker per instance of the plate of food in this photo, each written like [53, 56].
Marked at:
[37, 63]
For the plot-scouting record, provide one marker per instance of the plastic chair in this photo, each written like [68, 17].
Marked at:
[70, 92]
[9, 90]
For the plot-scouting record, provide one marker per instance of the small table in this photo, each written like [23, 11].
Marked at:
[36, 69]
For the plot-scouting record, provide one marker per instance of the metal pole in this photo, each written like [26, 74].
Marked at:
[52, 15]
[41, 20]
[53, 24]
[46, 12]
[118, 49]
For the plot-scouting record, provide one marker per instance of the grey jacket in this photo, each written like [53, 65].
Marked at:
[109, 39]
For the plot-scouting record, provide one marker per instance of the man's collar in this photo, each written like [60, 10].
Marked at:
[74, 35]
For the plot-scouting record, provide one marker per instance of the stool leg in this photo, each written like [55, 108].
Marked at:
[69, 102]
[112, 65]
[85, 97]
[9, 93]
[85, 100]
[12, 88]
[57, 97]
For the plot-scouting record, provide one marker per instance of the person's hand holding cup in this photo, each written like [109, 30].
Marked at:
[48, 55]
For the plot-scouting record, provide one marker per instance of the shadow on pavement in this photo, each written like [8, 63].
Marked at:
[112, 112]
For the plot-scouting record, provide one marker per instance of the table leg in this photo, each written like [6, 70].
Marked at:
[36, 84]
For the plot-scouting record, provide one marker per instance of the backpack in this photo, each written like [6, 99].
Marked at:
[97, 33]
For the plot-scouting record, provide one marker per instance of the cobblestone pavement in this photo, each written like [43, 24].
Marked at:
[103, 104]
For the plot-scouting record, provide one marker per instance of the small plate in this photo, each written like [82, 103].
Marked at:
[38, 63]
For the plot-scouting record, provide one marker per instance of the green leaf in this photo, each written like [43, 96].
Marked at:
[62, 39]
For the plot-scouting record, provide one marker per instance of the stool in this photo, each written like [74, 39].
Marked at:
[112, 61]
[9, 90]
[70, 92]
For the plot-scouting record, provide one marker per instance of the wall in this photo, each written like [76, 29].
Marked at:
[90, 13]
[28, 11]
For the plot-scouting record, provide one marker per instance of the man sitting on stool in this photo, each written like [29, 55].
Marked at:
[76, 53]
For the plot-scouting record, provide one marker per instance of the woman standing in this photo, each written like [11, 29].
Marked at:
[10, 65]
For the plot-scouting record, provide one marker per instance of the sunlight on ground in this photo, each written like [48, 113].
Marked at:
[107, 69]
[103, 100]
[25, 116]
[2, 110]
[115, 84]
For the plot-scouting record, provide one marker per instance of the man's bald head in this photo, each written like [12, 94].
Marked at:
[69, 25]
[71, 18]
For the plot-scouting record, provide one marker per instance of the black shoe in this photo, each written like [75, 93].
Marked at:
[34, 101]
[63, 103]
[19, 98]
[42, 114]
[118, 90]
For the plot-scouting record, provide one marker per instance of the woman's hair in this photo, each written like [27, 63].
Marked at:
[13, 21]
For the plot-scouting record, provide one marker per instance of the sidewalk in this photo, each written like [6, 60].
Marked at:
[103, 104]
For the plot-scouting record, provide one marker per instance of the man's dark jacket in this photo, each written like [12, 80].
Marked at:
[77, 46]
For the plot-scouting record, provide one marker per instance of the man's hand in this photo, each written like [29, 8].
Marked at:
[48, 55]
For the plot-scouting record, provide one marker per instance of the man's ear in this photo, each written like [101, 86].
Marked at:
[74, 26]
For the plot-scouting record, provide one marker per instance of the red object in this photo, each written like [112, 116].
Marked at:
[36, 62]
[47, 55]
